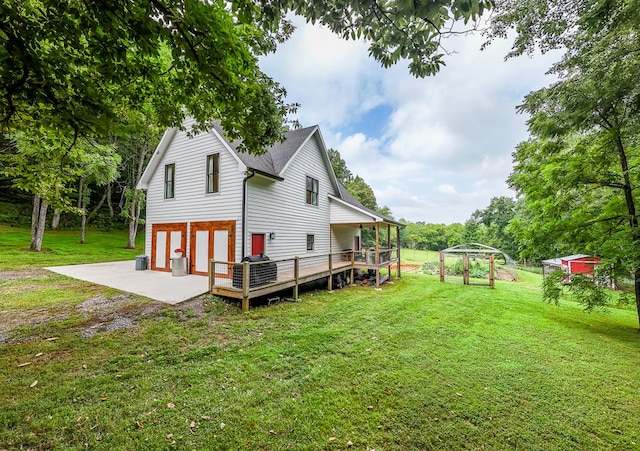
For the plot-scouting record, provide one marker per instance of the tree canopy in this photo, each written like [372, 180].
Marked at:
[76, 65]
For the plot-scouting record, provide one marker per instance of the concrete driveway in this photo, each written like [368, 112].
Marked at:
[158, 285]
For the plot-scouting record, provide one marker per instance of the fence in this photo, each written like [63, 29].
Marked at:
[250, 279]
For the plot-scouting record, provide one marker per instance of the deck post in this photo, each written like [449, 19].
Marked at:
[330, 287]
[492, 280]
[441, 267]
[212, 275]
[296, 277]
[353, 264]
[245, 286]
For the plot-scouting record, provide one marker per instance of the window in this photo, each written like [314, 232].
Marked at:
[310, 242]
[213, 173]
[312, 191]
[169, 181]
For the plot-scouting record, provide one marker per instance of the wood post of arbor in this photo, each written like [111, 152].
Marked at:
[465, 269]
[377, 259]
[398, 270]
[492, 268]
[389, 249]
[441, 267]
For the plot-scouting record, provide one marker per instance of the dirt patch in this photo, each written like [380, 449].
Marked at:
[12, 319]
[193, 308]
[502, 274]
[122, 311]
[32, 273]
[97, 314]
[102, 303]
[109, 326]
[410, 267]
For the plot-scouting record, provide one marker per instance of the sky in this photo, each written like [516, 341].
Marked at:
[433, 149]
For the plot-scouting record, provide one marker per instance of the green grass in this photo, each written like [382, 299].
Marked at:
[418, 365]
[64, 248]
[418, 256]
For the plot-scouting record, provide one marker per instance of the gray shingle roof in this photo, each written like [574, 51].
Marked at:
[277, 156]
[348, 198]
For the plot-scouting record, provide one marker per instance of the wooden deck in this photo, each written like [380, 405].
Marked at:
[291, 273]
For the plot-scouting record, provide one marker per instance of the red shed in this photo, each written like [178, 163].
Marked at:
[580, 264]
[573, 264]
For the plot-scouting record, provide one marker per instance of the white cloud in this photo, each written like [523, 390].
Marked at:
[444, 150]
[447, 189]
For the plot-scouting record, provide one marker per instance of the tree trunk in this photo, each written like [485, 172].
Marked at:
[633, 219]
[136, 205]
[134, 216]
[84, 226]
[35, 214]
[55, 222]
[637, 289]
[109, 203]
[38, 222]
[80, 192]
[83, 211]
[95, 210]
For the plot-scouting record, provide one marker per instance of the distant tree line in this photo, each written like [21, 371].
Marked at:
[490, 227]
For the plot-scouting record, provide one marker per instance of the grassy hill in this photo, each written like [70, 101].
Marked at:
[417, 365]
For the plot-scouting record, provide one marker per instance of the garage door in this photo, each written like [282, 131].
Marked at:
[165, 239]
[212, 240]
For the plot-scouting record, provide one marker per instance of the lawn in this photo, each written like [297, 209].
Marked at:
[417, 365]
[62, 247]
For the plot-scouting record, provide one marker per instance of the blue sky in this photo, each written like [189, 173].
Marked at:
[433, 149]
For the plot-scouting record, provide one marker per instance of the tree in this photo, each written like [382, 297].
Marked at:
[49, 179]
[491, 225]
[343, 174]
[395, 29]
[579, 171]
[78, 65]
[98, 166]
[454, 234]
[363, 192]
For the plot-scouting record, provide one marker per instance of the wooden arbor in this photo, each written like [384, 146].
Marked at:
[473, 250]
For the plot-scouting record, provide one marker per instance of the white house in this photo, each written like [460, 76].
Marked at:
[216, 203]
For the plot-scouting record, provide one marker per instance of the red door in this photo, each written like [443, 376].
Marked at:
[257, 244]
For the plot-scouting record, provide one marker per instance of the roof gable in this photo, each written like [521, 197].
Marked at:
[277, 156]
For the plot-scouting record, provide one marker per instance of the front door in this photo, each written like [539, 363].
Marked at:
[257, 243]
[212, 240]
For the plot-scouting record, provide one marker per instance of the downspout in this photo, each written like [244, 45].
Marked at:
[250, 174]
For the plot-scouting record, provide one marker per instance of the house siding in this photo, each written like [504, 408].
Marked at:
[342, 237]
[191, 203]
[281, 207]
[341, 214]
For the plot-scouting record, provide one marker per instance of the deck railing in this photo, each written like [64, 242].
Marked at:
[251, 279]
